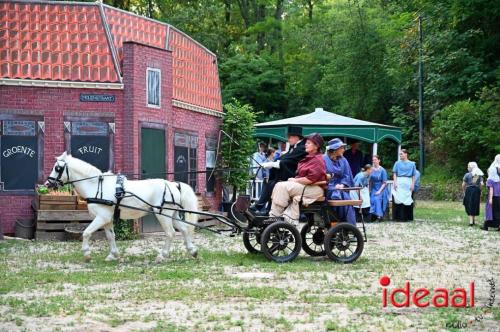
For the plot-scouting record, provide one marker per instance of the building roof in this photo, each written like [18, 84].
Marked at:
[330, 124]
[83, 42]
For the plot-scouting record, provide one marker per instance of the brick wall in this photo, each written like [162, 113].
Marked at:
[136, 59]
[53, 104]
[204, 126]
[129, 111]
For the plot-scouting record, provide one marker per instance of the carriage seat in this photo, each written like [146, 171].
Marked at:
[347, 202]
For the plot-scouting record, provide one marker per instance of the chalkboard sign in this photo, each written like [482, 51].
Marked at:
[92, 149]
[19, 162]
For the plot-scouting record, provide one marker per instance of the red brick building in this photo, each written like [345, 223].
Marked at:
[121, 91]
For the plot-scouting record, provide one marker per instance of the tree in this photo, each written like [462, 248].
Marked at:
[238, 124]
[468, 131]
[254, 80]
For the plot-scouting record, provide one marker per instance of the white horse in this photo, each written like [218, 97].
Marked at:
[68, 169]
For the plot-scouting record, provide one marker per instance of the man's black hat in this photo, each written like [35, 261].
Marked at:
[294, 130]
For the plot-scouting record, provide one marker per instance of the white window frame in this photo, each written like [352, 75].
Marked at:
[148, 69]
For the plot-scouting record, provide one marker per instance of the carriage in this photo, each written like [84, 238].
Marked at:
[323, 231]
[175, 205]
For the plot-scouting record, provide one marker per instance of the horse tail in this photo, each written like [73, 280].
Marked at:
[189, 201]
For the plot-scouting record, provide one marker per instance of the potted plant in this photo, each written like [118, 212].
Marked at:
[237, 145]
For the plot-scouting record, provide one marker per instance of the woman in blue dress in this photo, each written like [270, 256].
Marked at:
[404, 172]
[339, 176]
[378, 192]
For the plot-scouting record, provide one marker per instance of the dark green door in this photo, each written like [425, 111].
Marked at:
[152, 166]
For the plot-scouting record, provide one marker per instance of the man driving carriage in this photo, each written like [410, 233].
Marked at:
[281, 169]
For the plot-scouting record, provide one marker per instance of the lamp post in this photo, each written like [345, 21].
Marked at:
[421, 98]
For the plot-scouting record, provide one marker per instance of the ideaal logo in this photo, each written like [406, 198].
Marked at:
[440, 297]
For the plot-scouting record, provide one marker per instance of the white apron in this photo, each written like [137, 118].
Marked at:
[365, 196]
[402, 194]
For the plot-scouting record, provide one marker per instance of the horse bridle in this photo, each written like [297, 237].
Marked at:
[60, 171]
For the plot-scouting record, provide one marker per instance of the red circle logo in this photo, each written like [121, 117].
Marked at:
[385, 280]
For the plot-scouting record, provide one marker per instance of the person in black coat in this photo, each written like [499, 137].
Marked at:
[281, 169]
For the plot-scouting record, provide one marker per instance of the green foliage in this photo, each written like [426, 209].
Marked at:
[124, 230]
[468, 131]
[254, 80]
[238, 123]
[357, 58]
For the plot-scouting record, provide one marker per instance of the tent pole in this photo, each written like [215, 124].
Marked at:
[399, 151]
[374, 148]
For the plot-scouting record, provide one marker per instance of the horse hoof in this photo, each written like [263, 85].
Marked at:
[87, 258]
[194, 253]
[159, 259]
[110, 258]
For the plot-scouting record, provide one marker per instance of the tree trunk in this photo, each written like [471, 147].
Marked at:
[310, 7]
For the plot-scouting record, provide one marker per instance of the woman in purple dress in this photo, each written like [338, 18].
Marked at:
[492, 210]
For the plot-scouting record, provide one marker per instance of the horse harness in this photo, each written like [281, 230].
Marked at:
[120, 192]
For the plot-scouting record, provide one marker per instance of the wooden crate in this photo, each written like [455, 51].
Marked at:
[81, 204]
[52, 202]
[56, 231]
[51, 224]
[203, 203]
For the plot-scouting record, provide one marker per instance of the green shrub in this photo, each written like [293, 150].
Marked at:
[124, 230]
[467, 131]
[238, 123]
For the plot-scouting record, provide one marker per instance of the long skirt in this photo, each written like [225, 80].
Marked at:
[402, 204]
[345, 213]
[378, 203]
[286, 198]
[471, 200]
[492, 213]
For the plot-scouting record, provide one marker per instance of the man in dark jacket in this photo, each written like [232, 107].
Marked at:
[281, 169]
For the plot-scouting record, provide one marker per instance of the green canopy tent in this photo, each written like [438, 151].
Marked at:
[331, 125]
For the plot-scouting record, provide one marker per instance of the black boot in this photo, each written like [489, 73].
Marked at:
[255, 208]
[484, 228]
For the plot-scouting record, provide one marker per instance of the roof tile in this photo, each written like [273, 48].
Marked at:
[41, 41]
[56, 41]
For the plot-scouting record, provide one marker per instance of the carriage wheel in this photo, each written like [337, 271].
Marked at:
[344, 243]
[252, 242]
[313, 238]
[281, 242]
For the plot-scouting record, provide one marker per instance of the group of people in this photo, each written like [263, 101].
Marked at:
[294, 177]
[472, 185]
[265, 154]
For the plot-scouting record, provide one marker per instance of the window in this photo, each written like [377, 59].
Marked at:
[153, 79]
[210, 155]
[186, 158]
[21, 160]
[91, 140]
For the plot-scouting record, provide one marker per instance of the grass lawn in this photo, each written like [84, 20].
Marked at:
[48, 286]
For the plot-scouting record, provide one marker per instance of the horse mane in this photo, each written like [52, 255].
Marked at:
[85, 167]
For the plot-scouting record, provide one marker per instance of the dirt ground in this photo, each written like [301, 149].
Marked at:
[48, 287]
